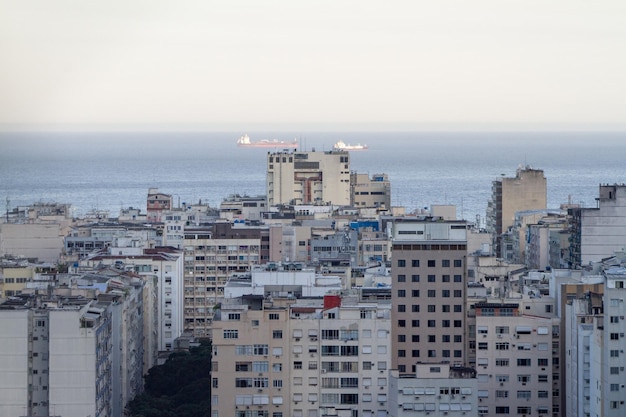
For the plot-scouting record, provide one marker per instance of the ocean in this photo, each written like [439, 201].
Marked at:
[110, 171]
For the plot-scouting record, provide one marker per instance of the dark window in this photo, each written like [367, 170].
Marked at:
[401, 263]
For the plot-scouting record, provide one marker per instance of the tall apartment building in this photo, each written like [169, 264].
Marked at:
[56, 360]
[595, 326]
[304, 358]
[526, 191]
[429, 287]
[212, 254]
[596, 233]
[516, 357]
[308, 178]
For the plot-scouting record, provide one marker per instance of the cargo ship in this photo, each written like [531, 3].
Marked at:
[245, 142]
[341, 146]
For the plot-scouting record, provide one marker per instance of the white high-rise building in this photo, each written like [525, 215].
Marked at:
[308, 178]
[56, 360]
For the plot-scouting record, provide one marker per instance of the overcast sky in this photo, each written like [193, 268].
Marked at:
[283, 64]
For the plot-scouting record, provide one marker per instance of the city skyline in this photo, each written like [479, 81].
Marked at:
[363, 65]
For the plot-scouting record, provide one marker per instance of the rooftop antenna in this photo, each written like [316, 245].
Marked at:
[8, 204]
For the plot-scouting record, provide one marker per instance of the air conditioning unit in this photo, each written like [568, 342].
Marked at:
[499, 336]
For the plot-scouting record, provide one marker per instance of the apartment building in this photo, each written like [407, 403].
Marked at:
[594, 342]
[308, 178]
[212, 254]
[304, 358]
[370, 192]
[526, 191]
[162, 269]
[596, 233]
[429, 287]
[517, 358]
[56, 358]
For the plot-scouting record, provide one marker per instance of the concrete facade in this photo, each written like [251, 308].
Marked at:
[428, 298]
[308, 178]
[304, 358]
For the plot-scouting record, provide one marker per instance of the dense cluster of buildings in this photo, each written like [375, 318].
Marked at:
[321, 299]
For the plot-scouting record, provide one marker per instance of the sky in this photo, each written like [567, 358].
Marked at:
[202, 64]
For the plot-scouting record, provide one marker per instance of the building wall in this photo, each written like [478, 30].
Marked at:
[603, 230]
[32, 240]
[514, 364]
[14, 380]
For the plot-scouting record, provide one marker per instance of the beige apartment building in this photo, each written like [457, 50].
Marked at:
[212, 254]
[428, 298]
[295, 178]
[370, 192]
[528, 190]
[307, 358]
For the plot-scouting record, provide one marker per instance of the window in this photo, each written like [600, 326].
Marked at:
[431, 278]
[502, 410]
[401, 308]
[401, 278]
[231, 334]
[415, 278]
[502, 345]
[415, 323]
[483, 346]
[415, 308]
[431, 308]
[415, 263]
[431, 323]
[523, 394]
[445, 293]
[458, 278]
[542, 362]
[445, 263]
[415, 293]
[431, 263]
[274, 316]
[502, 362]
[401, 263]
[277, 334]
[432, 293]
[401, 293]
[523, 362]
[502, 394]
[458, 263]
